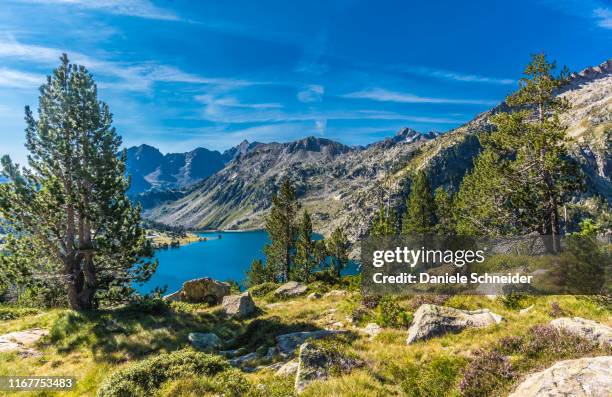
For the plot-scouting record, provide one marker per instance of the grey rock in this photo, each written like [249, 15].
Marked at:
[526, 310]
[432, 320]
[290, 289]
[288, 369]
[239, 306]
[287, 343]
[173, 297]
[314, 296]
[585, 377]
[204, 341]
[335, 293]
[372, 329]
[240, 361]
[22, 342]
[204, 290]
[589, 329]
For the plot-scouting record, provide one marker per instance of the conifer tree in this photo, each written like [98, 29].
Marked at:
[384, 223]
[337, 247]
[420, 216]
[528, 154]
[258, 273]
[304, 261]
[281, 229]
[443, 203]
[71, 202]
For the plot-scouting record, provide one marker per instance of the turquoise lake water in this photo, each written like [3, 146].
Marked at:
[227, 258]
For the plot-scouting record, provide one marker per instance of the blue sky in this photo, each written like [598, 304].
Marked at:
[181, 74]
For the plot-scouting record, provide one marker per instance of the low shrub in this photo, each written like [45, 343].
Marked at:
[229, 383]
[556, 310]
[145, 377]
[514, 301]
[391, 314]
[487, 371]
[263, 289]
[433, 299]
[370, 301]
[13, 313]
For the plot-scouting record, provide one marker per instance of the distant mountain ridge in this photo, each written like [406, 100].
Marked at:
[344, 186]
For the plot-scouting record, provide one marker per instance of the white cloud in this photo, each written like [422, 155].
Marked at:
[135, 8]
[312, 93]
[383, 95]
[604, 17]
[16, 79]
[456, 76]
[321, 125]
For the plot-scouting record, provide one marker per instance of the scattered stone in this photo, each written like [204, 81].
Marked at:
[204, 341]
[239, 306]
[589, 329]
[335, 293]
[287, 343]
[290, 289]
[239, 361]
[432, 320]
[200, 290]
[231, 353]
[314, 296]
[372, 329]
[526, 310]
[288, 369]
[338, 324]
[585, 377]
[22, 342]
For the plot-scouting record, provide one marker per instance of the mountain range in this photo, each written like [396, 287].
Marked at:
[343, 186]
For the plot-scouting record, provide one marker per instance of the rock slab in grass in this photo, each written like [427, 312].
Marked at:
[433, 320]
[200, 290]
[585, 377]
[239, 306]
[287, 343]
[290, 289]
[589, 329]
[288, 369]
[206, 341]
[372, 329]
[22, 341]
[335, 293]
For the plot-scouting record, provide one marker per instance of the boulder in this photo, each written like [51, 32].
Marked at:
[239, 306]
[372, 329]
[204, 290]
[22, 342]
[287, 343]
[239, 361]
[314, 296]
[288, 369]
[335, 293]
[204, 341]
[526, 310]
[312, 365]
[432, 320]
[589, 329]
[173, 297]
[290, 289]
[585, 377]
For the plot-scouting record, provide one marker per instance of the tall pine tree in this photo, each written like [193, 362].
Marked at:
[384, 223]
[443, 203]
[281, 229]
[304, 261]
[337, 248]
[71, 202]
[420, 216]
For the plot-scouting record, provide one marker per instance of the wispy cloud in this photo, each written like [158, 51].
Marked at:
[134, 8]
[383, 95]
[312, 93]
[10, 78]
[604, 17]
[131, 76]
[454, 76]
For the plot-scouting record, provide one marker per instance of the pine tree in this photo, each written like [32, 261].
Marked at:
[528, 156]
[337, 248]
[258, 273]
[281, 229]
[443, 203]
[420, 216]
[72, 200]
[384, 223]
[304, 261]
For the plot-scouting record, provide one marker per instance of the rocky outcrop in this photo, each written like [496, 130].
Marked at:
[588, 329]
[239, 306]
[201, 290]
[372, 330]
[432, 320]
[204, 341]
[290, 289]
[287, 343]
[22, 342]
[585, 377]
[288, 369]
[314, 296]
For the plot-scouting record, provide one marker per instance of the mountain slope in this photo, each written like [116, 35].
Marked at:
[344, 186]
